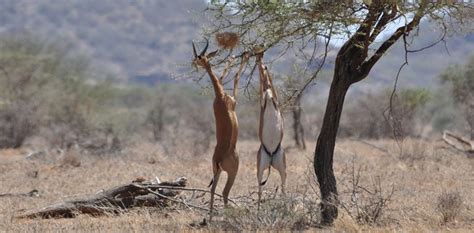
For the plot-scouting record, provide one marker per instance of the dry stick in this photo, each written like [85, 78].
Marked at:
[246, 195]
[198, 190]
[177, 201]
[318, 69]
[394, 123]
[374, 146]
[32, 193]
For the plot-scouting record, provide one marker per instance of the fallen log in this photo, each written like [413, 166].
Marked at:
[459, 143]
[113, 201]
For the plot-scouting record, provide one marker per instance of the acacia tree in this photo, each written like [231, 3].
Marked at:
[370, 28]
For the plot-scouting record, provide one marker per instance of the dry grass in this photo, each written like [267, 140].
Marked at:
[413, 206]
[449, 206]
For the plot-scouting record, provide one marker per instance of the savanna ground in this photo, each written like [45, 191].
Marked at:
[422, 173]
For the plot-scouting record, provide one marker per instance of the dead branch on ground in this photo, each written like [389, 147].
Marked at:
[113, 201]
[459, 143]
[32, 193]
[373, 146]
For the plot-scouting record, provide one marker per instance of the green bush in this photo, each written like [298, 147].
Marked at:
[460, 82]
[45, 85]
[373, 116]
[16, 124]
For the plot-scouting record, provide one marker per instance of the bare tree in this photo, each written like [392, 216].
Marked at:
[303, 25]
[156, 117]
[298, 128]
[291, 86]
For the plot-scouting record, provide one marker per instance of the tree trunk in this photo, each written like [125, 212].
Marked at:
[298, 126]
[323, 156]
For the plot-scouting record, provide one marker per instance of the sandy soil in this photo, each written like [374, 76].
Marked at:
[418, 175]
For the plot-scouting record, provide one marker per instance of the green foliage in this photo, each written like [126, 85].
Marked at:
[441, 108]
[406, 112]
[368, 118]
[48, 90]
[413, 99]
[460, 81]
[51, 85]
[16, 124]
[27, 68]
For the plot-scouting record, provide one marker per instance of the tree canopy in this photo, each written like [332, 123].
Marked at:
[368, 28]
[307, 28]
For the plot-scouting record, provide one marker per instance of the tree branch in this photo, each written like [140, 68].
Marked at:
[365, 68]
[383, 21]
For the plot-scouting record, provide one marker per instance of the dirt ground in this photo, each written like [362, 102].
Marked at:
[419, 175]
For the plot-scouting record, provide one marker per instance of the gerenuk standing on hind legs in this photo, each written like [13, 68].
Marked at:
[270, 154]
[225, 156]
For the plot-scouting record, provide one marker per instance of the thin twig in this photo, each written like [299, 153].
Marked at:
[177, 201]
[196, 190]
[374, 146]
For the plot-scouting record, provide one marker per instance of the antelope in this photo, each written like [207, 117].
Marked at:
[225, 156]
[270, 153]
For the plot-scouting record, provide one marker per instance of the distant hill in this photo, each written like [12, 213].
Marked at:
[144, 41]
[135, 39]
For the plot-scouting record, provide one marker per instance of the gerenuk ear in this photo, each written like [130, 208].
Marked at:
[194, 50]
[212, 54]
[205, 48]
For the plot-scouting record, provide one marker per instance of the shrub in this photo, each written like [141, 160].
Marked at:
[287, 213]
[16, 124]
[414, 151]
[374, 117]
[295, 211]
[367, 204]
[180, 119]
[460, 82]
[70, 159]
[365, 119]
[449, 205]
[42, 84]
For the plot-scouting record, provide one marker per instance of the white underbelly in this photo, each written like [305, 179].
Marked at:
[272, 127]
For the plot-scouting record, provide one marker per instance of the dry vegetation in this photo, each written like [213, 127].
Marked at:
[72, 138]
[425, 188]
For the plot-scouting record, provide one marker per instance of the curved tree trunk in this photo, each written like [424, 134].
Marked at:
[323, 156]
